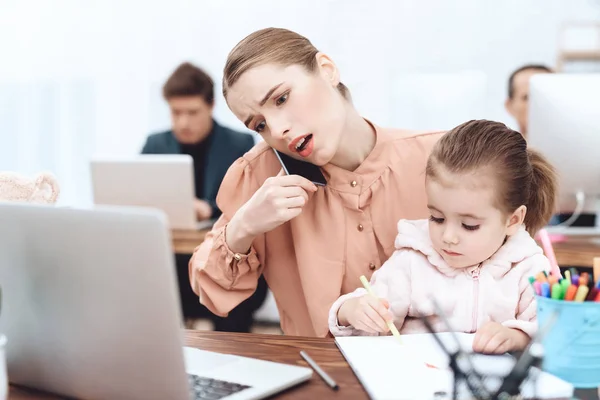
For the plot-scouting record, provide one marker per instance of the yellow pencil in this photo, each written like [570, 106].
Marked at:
[390, 324]
[581, 293]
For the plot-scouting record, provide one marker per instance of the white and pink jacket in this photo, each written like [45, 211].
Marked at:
[497, 290]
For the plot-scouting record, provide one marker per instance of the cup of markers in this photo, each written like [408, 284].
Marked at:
[572, 346]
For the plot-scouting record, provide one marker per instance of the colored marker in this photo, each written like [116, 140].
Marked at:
[531, 279]
[545, 289]
[557, 292]
[592, 295]
[537, 286]
[598, 298]
[568, 276]
[596, 269]
[549, 251]
[571, 292]
[573, 271]
[584, 278]
[541, 277]
[575, 280]
[565, 283]
[581, 294]
[552, 279]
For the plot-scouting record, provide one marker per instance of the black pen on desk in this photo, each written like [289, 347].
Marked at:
[319, 371]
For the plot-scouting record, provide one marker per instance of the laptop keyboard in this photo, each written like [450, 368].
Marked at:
[212, 389]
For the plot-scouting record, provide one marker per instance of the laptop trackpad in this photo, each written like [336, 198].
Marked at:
[197, 360]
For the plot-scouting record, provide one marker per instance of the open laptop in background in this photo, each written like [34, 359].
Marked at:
[161, 181]
[91, 310]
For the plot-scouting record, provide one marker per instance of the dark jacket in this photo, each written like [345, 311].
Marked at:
[226, 146]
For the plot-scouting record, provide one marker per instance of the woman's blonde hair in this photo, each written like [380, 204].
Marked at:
[271, 45]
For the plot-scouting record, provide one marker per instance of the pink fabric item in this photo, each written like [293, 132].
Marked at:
[41, 189]
[498, 290]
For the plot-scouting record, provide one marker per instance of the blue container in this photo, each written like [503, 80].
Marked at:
[572, 346]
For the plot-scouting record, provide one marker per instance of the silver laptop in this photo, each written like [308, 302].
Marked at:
[160, 181]
[91, 310]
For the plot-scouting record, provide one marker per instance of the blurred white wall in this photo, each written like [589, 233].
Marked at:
[83, 77]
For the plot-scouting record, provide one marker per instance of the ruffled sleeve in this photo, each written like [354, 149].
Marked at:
[221, 278]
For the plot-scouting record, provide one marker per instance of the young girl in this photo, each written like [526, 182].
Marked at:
[487, 195]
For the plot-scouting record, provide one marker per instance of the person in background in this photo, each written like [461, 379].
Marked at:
[517, 103]
[189, 92]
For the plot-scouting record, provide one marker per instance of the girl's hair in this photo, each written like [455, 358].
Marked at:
[523, 176]
[271, 45]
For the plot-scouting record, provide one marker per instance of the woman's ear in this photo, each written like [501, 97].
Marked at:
[516, 220]
[328, 69]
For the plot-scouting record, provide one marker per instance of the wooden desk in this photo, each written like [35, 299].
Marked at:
[184, 242]
[577, 251]
[285, 349]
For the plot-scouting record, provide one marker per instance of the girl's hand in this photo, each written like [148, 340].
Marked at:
[366, 313]
[494, 338]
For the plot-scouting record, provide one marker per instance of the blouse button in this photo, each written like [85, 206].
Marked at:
[360, 227]
[353, 183]
[372, 267]
[237, 256]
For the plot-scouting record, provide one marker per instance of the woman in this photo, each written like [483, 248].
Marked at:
[311, 244]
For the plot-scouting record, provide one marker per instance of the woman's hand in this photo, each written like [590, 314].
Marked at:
[280, 199]
[494, 338]
[203, 209]
[366, 313]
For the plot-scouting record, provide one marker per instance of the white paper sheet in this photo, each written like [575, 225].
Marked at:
[390, 370]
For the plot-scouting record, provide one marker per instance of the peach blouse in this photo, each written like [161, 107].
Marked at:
[346, 230]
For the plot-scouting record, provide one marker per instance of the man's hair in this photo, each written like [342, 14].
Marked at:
[189, 80]
[511, 80]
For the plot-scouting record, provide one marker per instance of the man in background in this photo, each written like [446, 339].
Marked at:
[189, 92]
[517, 103]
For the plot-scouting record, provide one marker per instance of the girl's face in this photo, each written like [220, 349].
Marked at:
[297, 112]
[466, 227]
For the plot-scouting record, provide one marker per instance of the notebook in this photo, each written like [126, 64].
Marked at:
[418, 368]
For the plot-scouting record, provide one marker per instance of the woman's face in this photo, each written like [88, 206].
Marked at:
[297, 112]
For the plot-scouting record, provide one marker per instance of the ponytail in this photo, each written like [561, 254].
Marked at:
[523, 176]
[542, 193]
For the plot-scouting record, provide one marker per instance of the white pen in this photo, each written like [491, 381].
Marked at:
[319, 371]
